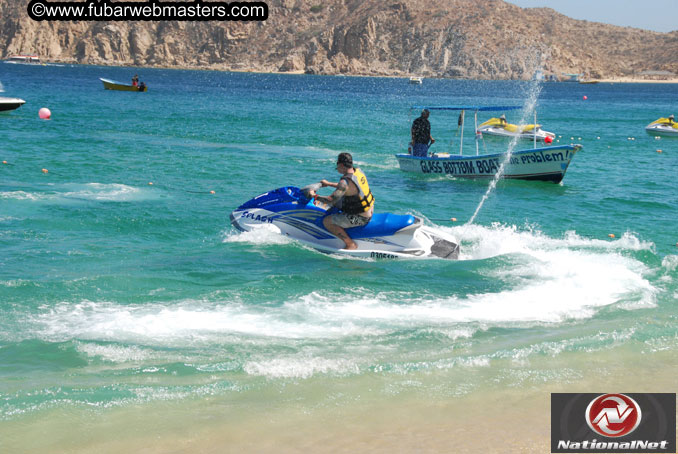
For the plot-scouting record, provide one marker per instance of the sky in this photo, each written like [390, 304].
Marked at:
[656, 15]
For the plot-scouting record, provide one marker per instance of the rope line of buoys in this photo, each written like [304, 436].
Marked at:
[443, 220]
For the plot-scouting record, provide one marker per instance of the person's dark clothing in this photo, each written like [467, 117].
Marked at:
[421, 128]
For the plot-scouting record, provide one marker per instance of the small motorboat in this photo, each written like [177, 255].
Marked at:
[10, 103]
[290, 211]
[500, 128]
[663, 127]
[416, 80]
[113, 85]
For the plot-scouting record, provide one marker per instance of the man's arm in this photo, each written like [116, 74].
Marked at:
[337, 195]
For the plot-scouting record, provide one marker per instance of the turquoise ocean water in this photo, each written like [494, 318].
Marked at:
[119, 296]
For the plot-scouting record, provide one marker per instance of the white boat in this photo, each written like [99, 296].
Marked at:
[663, 127]
[416, 80]
[543, 164]
[24, 59]
[500, 128]
[291, 212]
[547, 163]
[10, 103]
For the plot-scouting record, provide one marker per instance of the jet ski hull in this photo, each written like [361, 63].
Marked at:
[392, 236]
[496, 131]
[662, 130]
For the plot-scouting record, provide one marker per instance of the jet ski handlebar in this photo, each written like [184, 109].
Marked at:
[311, 187]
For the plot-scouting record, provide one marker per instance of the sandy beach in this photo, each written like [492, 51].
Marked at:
[357, 418]
[636, 80]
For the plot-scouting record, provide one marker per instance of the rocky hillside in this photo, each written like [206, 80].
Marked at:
[488, 39]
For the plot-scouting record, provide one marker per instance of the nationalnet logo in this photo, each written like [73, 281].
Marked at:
[613, 415]
[613, 422]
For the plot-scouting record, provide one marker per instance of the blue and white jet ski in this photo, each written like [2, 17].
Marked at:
[290, 211]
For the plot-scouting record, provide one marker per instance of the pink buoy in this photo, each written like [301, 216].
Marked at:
[548, 139]
[585, 98]
[44, 113]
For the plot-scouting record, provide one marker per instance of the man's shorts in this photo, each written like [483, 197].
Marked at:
[347, 221]
[420, 149]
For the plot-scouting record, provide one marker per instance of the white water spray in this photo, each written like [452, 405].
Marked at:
[527, 112]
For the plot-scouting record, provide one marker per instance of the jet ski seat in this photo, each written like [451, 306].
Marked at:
[383, 224]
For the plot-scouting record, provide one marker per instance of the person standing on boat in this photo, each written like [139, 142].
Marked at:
[421, 135]
[352, 196]
[135, 80]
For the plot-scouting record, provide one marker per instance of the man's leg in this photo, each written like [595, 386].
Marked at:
[339, 232]
[420, 149]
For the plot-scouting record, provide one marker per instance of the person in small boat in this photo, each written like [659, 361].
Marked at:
[421, 135]
[352, 196]
[135, 80]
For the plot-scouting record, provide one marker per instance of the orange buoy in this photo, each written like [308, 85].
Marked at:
[212, 192]
[611, 235]
[45, 170]
[453, 219]
[150, 183]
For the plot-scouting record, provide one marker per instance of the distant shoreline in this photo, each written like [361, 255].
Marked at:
[633, 80]
[620, 80]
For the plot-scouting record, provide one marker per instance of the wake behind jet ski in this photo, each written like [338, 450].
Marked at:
[293, 213]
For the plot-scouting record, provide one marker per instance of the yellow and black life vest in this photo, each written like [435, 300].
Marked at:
[359, 203]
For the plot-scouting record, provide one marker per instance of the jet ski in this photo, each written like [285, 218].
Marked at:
[499, 128]
[663, 127]
[290, 211]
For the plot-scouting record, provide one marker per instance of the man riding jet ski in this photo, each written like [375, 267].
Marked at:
[352, 195]
[317, 222]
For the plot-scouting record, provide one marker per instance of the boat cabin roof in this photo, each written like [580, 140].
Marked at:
[475, 108]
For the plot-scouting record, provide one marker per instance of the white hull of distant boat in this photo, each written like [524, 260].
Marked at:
[288, 211]
[23, 60]
[7, 104]
[543, 164]
[416, 80]
[492, 127]
[662, 127]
